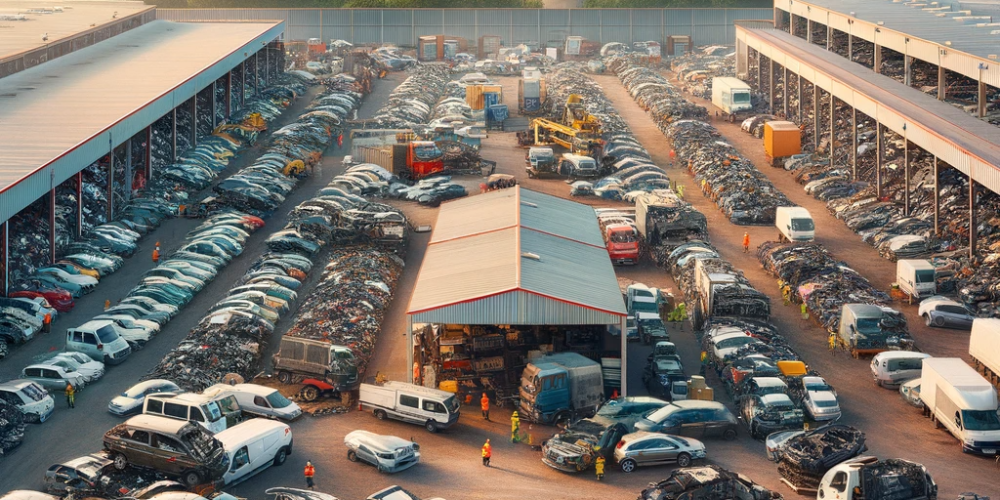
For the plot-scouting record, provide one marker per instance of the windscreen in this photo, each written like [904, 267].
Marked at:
[734, 342]
[107, 334]
[34, 392]
[868, 325]
[277, 400]
[623, 237]
[451, 404]
[661, 414]
[826, 403]
[741, 97]
[925, 276]
[803, 225]
[980, 420]
[426, 152]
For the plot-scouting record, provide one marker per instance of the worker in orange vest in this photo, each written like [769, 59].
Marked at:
[340, 141]
[484, 403]
[746, 242]
[156, 255]
[487, 453]
[310, 472]
[107, 304]
[47, 323]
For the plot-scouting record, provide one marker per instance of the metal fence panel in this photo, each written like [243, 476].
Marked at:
[555, 17]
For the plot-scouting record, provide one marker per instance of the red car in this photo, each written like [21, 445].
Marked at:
[60, 300]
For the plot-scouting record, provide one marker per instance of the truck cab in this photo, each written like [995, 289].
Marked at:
[794, 224]
[424, 158]
[622, 241]
[916, 277]
[540, 160]
[868, 329]
[641, 298]
[573, 165]
[866, 478]
[559, 387]
[298, 358]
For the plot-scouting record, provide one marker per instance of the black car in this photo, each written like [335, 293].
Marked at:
[691, 418]
[651, 329]
[763, 415]
[660, 374]
[627, 410]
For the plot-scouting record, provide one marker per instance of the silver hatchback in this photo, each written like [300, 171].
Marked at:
[387, 453]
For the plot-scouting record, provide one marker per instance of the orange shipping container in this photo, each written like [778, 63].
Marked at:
[782, 139]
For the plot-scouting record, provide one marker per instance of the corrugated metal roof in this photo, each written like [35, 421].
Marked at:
[506, 208]
[19, 36]
[478, 271]
[67, 113]
[930, 25]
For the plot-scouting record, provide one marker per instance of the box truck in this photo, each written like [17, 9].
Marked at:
[723, 291]
[561, 387]
[963, 402]
[916, 277]
[304, 358]
[984, 346]
[867, 329]
[794, 224]
[730, 94]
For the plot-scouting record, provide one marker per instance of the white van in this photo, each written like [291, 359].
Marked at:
[916, 277]
[432, 408]
[212, 413]
[257, 399]
[794, 224]
[253, 446]
[100, 340]
[962, 401]
[896, 367]
[34, 401]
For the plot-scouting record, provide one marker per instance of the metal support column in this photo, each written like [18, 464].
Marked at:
[624, 372]
[111, 185]
[850, 47]
[52, 222]
[878, 58]
[256, 74]
[879, 140]
[409, 348]
[809, 30]
[832, 138]
[906, 174]
[149, 153]
[243, 84]
[973, 222]
[79, 204]
[854, 143]
[829, 37]
[770, 84]
[942, 84]
[173, 135]
[267, 65]
[128, 169]
[791, 24]
[981, 97]
[907, 70]
[215, 119]
[229, 93]
[937, 198]
[758, 70]
[784, 91]
[815, 116]
[5, 256]
[798, 95]
[194, 120]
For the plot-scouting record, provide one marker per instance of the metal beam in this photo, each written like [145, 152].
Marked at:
[906, 175]
[809, 30]
[194, 120]
[854, 143]
[79, 204]
[816, 116]
[973, 220]
[229, 93]
[798, 97]
[878, 58]
[758, 70]
[52, 223]
[907, 71]
[624, 347]
[149, 152]
[111, 185]
[850, 47]
[981, 97]
[784, 91]
[128, 169]
[832, 149]
[829, 37]
[214, 106]
[173, 134]
[4, 249]
[770, 83]
[878, 158]
[937, 198]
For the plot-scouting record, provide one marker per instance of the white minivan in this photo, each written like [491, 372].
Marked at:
[100, 340]
[432, 408]
[253, 446]
[257, 399]
[214, 414]
[33, 400]
[896, 367]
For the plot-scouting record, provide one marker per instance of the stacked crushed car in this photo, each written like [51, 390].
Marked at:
[807, 456]
[412, 102]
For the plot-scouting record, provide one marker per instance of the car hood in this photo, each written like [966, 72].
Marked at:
[124, 402]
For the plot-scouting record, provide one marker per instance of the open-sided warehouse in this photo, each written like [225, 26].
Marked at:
[508, 274]
[86, 107]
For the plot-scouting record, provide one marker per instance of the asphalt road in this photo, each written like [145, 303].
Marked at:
[450, 463]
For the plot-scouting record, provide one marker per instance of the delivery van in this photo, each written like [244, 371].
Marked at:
[794, 224]
[895, 367]
[432, 408]
[253, 446]
[213, 413]
[99, 340]
[963, 402]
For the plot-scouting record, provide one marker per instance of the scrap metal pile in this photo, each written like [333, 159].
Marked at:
[808, 274]
[654, 93]
[412, 102]
[349, 303]
[11, 427]
[806, 458]
[709, 482]
[695, 70]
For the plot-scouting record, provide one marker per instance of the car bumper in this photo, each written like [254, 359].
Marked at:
[401, 466]
[989, 449]
[820, 417]
[117, 410]
[565, 466]
[624, 261]
[45, 414]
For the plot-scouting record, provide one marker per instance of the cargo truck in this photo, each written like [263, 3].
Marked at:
[868, 329]
[730, 94]
[867, 478]
[794, 224]
[984, 347]
[620, 236]
[560, 388]
[916, 277]
[664, 220]
[416, 159]
[963, 402]
[723, 291]
[299, 359]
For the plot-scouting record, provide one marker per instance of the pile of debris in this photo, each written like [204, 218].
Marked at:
[411, 103]
[11, 427]
[653, 92]
[348, 304]
[806, 458]
[709, 482]
[696, 70]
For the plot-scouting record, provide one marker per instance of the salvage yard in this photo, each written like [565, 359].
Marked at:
[364, 223]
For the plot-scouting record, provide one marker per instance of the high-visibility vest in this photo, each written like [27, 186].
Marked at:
[310, 471]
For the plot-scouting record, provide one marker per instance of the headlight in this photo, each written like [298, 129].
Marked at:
[969, 442]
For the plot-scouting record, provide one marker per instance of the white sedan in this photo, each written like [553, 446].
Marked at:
[91, 369]
[132, 399]
[820, 400]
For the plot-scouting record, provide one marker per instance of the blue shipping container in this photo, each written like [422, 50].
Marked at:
[497, 112]
[490, 99]
[532, 104]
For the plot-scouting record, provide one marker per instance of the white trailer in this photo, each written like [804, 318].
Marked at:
[730, 94]
[984, 347]
[963, 402]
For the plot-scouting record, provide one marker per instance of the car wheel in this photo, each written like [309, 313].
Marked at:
[729, 434]
[380, 414]
[121, 462]
[683, 460]
[430, 427]
[280, 456]
[191, 478]
[284, 377]
[310, 393]
[628, 465]
[352, 456]
[939, 321]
